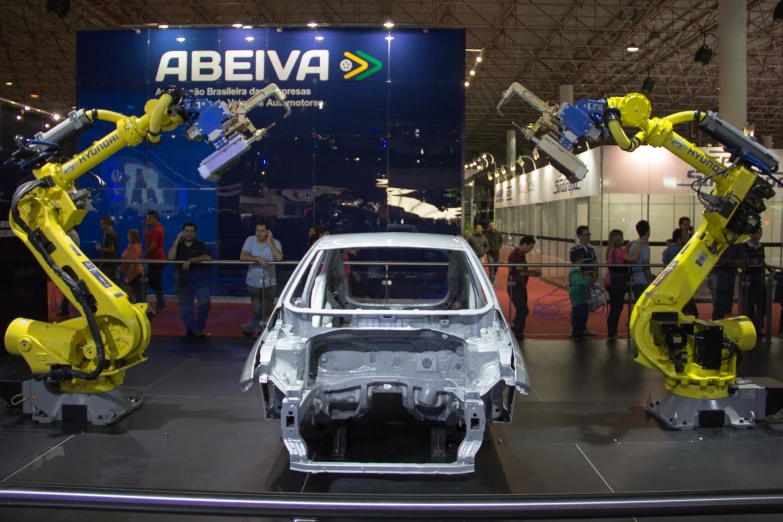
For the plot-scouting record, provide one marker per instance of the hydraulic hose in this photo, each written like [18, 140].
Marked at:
[80, 294]
[628, 145]
[156, 120]
[103, 115]
[685, 117]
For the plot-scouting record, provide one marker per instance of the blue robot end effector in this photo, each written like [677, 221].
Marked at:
[227, 128]
[559, 128]
[741, 147]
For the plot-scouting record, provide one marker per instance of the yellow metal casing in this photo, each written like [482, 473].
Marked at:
[676, 285]
[49, 209]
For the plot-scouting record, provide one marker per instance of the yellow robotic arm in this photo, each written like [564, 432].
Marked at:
[697, 358]
[90, 354]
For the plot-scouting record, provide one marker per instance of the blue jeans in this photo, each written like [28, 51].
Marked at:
[262, 300]
[185, 296]
[579, 315]
[493, 257]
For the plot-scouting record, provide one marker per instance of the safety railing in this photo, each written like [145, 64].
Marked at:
[548, 299]
[396, 507]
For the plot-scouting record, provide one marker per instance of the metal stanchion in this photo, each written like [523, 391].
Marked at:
[742, 293]
[629, 284]
[770, 296]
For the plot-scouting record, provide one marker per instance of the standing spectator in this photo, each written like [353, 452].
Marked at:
[261, 278]
[677, 244]
[192, 279]
[579, 283]
[110, 249]
[725, 270]
[588, 257]
[756, 289]
[588, 253]
[312, 236]
[687, 230]
[133, 273]
[642, 276]
[674, 247]
[154, 238]
[495, 241]
[478, 242]
[65, 310]
[617, 279]
[518, 277]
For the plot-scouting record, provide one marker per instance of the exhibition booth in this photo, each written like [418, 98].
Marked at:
[374, 140]
[619, 190]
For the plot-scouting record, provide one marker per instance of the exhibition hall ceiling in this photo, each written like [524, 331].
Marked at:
[539, 44]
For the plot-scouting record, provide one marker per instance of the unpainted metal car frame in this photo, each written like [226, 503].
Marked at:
[451, 360]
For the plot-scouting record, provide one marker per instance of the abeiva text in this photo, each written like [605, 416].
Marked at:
[241, 65]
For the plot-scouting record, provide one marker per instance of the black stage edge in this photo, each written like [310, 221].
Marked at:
[393, 506]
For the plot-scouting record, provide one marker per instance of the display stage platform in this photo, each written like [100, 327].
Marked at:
[582, 430]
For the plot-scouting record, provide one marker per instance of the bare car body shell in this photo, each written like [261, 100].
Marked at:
[324, 355]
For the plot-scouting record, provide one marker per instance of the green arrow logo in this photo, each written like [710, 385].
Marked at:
[361, 58]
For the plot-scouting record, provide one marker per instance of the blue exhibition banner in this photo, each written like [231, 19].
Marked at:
[374, 142]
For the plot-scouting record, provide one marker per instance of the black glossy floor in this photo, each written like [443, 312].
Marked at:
[583, 430]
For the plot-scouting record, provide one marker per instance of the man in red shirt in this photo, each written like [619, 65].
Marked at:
[517, 277]
[154, 250]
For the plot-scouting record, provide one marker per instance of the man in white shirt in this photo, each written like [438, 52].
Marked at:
[260, 249]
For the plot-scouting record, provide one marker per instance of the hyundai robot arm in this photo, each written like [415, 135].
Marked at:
[697, 358]
[90, 354]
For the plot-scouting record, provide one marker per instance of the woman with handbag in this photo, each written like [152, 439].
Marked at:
[133, 273]
[617, 278]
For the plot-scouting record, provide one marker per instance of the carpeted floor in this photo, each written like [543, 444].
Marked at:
[549, 317]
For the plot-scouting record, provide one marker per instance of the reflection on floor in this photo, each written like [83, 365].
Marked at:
[582, 430]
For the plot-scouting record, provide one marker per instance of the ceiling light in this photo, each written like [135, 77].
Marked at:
[473, 73]
[56, 117]
[33, 95]
[633, 48]
[312, 24]
[46, 125]
[249, 38]
[467, 84]
[478, 58]
[9, 83]
[18, 116]
[163, 26]
[26, 107]
[180, 39]
[319, 38]
[389, 24]
[237, 26]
